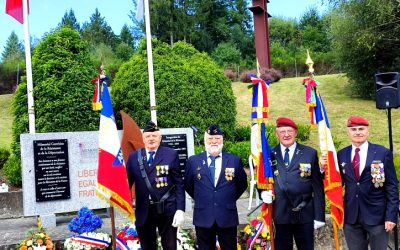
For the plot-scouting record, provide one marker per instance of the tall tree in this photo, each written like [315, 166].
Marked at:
[98, 31]
[313, 31]
[13, 50]
[126, 36]
[69, 20]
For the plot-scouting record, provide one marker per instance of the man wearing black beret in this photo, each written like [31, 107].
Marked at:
[215, 180]
[160, 195]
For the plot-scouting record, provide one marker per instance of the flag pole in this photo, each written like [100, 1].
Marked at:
[31, 109]
[310, 64]
[150, 62]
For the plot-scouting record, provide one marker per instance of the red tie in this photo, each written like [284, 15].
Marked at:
[356, 163]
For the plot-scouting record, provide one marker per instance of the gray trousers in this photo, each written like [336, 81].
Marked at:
[359, 235]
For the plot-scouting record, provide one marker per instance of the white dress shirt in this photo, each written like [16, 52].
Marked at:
[218, 166]
[363, 155]
[291, 151]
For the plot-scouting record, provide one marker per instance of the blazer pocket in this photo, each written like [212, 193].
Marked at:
[231, 206]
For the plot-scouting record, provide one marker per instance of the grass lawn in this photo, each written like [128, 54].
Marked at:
[5, 120]
[287, 98]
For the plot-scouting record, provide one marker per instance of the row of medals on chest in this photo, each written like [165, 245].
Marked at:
[162, 181]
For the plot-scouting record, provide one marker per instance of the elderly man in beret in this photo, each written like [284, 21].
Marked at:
[215, 180]
[160, 195]
[371, 195]
[299, 201]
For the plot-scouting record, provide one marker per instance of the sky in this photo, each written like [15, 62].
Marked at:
[46, 14]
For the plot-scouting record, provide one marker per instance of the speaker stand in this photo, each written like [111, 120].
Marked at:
[396, 236]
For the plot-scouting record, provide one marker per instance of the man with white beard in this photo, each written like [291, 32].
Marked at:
[215, 180]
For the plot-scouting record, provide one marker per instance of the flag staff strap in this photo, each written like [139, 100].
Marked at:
[31, 109]
[153, 110]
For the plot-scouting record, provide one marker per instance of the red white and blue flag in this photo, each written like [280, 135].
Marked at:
[332, 179]
[112, 180]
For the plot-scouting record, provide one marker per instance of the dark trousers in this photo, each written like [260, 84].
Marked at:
[359, 235]
[148, 235]
[206, 237]
[303, 235]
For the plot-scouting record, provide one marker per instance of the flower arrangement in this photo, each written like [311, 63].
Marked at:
[84, 226]
[90, 241]
[86, 222]
[37, 240]
[255, 235]
[127, 238]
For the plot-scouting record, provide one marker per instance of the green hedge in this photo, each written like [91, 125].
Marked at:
[190, 89]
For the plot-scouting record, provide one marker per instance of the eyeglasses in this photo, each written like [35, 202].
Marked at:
[287, 131]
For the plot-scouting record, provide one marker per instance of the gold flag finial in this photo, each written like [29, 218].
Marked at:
[310, 63]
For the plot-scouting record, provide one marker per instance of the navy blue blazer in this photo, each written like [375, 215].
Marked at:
[215, 204]
[298, 188]
[164, 156]
[362, 198]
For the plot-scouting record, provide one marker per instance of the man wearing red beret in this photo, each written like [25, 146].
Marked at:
[299, 201]
[371, 195]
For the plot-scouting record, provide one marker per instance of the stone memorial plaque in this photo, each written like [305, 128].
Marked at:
[51, 170]
[179, 143]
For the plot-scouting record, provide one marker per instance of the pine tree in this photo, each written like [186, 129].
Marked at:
[98, 31]
[69, 20]
[13, 50]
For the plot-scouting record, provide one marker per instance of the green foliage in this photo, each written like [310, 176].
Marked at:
[98, 31]
[396, 160]
[190, 89]
[4, 155]
[363, 33]
[226, 55]
[69, 20]
[13, 50]
[12, 169]
[63, 91]
[241, 149]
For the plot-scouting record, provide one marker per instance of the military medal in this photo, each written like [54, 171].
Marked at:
[229, 173]
[162, 169]
[158, 184]
[162, 182]
[199, 176]
[377, 173]
[305, 169]
[166, 169]
[158, 170]
[166, 181]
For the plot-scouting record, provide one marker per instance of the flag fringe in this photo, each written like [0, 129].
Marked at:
[129, 211]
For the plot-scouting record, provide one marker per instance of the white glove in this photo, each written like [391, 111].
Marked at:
[266, 196]
[179, 218]
[318, 224]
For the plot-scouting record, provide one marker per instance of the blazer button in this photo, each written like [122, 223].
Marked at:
[356, 195]
[215, 204]
[358, 184]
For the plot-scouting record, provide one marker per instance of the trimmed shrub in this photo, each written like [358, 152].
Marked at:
[190, 89]
[272, 75]
[4, 154]
[12, 169]
[62, 73]
[230, 74]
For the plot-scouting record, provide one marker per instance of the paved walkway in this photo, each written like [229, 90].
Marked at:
[12, 231]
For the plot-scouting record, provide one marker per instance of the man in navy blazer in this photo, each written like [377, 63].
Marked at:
[299, 201]
[162, 206]
[215, 180]
[371, 200]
